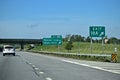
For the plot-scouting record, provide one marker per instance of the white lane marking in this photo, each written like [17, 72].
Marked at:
[33, 66]
[95, 67]
[48, 78]
[41, 72]
[30, 63]
[36, 68]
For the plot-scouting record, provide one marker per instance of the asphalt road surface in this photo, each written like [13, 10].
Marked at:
[31, 66]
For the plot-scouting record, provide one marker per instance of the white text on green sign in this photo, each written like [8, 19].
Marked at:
[52, 41]
[97, 31]
[56, 36]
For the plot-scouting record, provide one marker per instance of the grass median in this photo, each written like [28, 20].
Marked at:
[82, 48]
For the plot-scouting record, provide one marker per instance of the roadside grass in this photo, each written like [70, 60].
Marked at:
[82, 48]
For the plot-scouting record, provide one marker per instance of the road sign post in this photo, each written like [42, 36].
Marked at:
[97, 31]
[54, 40]
[78, 46]
[102, 45]
[114, 57]
[91, 46]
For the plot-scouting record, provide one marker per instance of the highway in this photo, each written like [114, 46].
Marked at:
[31, 66]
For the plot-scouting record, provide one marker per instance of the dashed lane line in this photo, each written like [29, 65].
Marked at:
[36, 68]
[48, 78]
[41, 72]
[33, 66]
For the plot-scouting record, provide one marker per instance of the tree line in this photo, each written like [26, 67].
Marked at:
[79, 38]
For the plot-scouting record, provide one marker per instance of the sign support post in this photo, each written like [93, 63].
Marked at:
[91, 46]
[102, 46]
[54, 40]
[58, 47]
[78, 46]
[97, 31]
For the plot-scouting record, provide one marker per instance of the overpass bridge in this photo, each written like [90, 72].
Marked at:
[21, 41]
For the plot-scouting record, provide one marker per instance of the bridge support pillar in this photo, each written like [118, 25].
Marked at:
[22, 46]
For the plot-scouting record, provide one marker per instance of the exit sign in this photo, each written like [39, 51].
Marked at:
[97, 31]
[56, 36]
[52, 41]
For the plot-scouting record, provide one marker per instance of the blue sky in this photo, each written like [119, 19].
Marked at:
[43, 18]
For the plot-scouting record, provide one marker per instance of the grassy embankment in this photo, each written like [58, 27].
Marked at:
[83, 47]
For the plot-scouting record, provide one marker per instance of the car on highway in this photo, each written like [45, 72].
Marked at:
[8, 49]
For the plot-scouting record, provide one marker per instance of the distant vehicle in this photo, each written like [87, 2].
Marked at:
[8, 49]
[1, 48]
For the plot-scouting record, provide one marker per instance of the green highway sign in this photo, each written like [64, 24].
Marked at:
[97, 31]
[56, 36]
[52, 41]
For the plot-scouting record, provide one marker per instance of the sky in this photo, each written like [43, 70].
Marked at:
[37, 19]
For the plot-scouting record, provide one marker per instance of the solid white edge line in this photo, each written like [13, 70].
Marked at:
[36, 68]
[30, 63]
[41, 72]
[48, 78]
[95, 67]
[33, 66]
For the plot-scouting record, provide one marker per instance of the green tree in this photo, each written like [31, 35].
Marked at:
[113, 40]
[88, 39]
[69, 46]
[67, 37]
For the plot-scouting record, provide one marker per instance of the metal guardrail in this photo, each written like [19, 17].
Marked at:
[97, 57]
